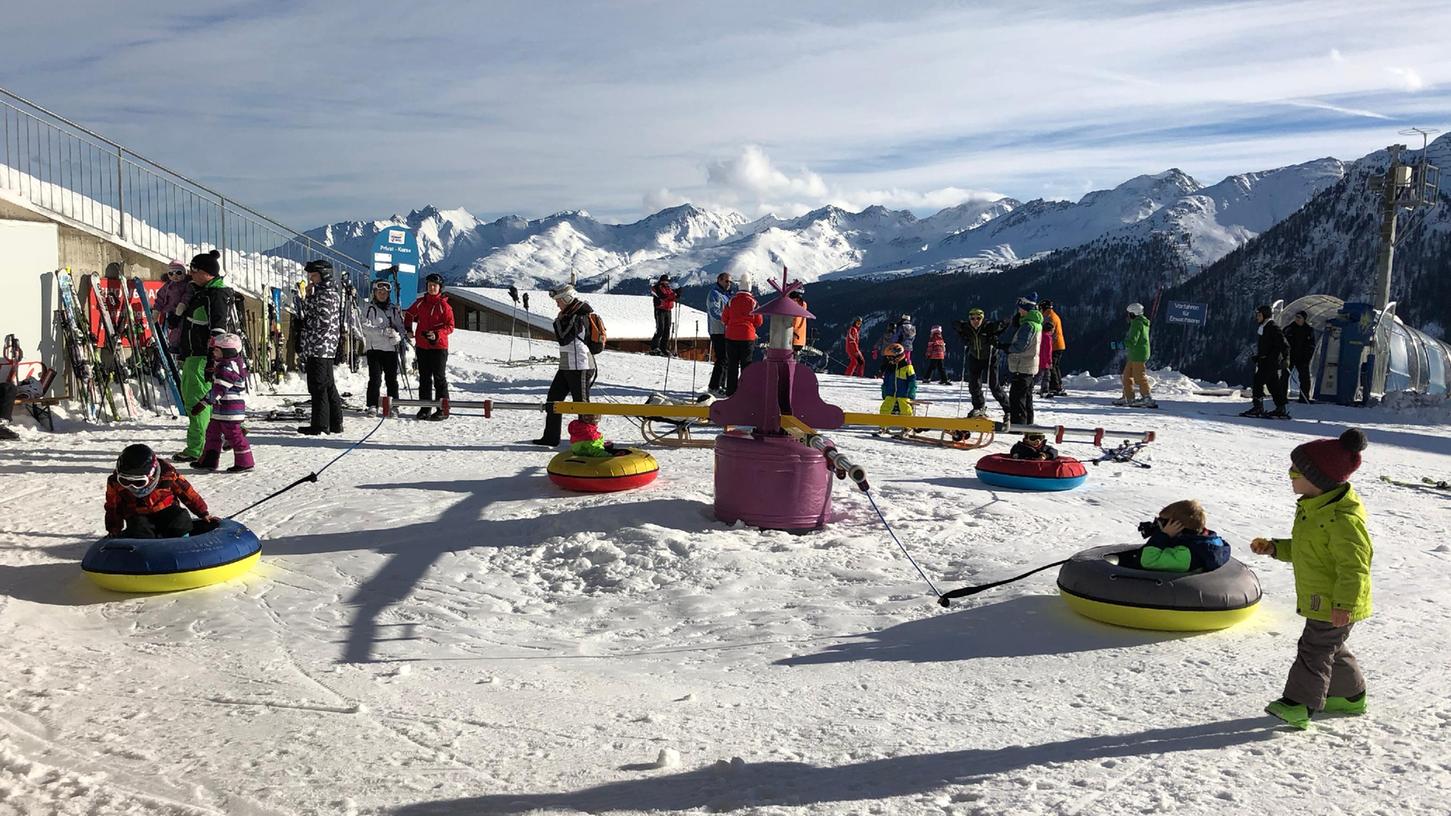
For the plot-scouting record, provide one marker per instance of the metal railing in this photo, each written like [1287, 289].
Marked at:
[71, 172]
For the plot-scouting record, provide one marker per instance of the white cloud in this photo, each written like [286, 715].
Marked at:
[1336, 56]
[750, 182]
[1409, 78]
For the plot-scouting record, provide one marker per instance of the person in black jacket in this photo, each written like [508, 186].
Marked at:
[1272, 356]
[1301, 337]
[979, 340]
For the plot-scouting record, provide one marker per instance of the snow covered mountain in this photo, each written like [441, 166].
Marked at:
[694, 244]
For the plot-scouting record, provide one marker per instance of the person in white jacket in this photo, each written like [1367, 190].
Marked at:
[576, 363]
[383, 332]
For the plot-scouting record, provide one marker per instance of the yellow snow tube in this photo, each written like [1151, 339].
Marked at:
[603, 474]
[1096, 586]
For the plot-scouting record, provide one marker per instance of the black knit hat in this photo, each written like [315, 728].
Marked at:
[1265, 310]
[208, 262]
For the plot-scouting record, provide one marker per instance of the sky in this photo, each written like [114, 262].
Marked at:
[315, 112]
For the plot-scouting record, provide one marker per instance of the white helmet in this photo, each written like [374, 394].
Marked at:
[743, 281]
[1136, 309]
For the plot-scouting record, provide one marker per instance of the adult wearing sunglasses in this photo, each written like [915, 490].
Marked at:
[147, 498]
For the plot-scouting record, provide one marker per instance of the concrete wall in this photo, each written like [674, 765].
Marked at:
[27, 280]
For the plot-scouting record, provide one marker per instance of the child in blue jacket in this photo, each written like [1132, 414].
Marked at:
[1179, 542]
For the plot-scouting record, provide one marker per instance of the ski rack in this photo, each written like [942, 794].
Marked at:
[702, 412]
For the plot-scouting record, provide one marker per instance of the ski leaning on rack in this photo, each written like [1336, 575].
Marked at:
[80, 368]
[85, 345]
[166, 366]
[113, 342]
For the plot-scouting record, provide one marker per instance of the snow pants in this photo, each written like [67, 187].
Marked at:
[7, 401]
[896, 405]
[1134, 375]
[432, 374]
[1307, 387]
[936, 365]
[661, 340]
[1270, 378]
[1323, 666]
[221, 431]
[1020, 400]
[976, 369]
[382, 365]
[738, 356]
[168, 522]
[1055, 373]
[572, 384]
[327, 404]
[194, 388]
[718, 361]
[856, 364]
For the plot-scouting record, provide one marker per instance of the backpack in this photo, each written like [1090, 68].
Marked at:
[595, 339]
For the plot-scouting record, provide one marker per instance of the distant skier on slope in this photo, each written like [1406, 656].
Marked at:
[856, 364]
[979, 341]
[936, 356]
[1136, 344]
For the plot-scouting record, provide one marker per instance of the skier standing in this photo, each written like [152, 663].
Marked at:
[741, 322]
[383, 329]
[205, 315]
[1272, 357]
[321, 315]
[899, 381]
[936, 356]
[715, 302]
[1023, 351]
[979, 341]
[1301, 337]
[856, 364]
[664, 296]
[430, 320]
[1136, 343]
[228, 407]
[1055, 382]
[576, 364]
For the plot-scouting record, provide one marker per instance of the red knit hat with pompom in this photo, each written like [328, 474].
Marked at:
[1328, 463]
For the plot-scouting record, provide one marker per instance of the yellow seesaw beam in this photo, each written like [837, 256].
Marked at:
[973, 424]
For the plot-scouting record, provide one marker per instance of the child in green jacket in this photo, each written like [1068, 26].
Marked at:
[1331, 551]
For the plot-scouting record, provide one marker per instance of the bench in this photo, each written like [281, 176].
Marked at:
[38, 406]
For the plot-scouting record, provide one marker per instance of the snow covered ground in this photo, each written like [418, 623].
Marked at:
[436, 629]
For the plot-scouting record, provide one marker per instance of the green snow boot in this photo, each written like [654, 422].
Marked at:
[1346, 705]
[1294, 714]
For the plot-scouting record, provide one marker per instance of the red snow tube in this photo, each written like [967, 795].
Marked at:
[603, 474]
[1002, 470]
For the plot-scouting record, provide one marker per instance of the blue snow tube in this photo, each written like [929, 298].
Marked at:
[1001, 470]
[170, 564]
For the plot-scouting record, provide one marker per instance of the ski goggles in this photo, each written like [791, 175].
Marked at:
[1295, 474]
[382, 285]
[133, 479]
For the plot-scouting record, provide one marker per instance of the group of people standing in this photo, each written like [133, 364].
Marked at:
[1277, 352]
[732, 322]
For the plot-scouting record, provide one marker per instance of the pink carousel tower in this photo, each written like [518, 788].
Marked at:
[766, 477]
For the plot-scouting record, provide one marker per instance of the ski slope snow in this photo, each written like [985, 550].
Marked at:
[436, 629]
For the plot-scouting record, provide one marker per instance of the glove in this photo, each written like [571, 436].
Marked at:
[431, 337]
[179, 310]
[394, 337]
[199, 407]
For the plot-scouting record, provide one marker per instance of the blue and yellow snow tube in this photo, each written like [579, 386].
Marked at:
[603, 474]
[1095, 586]
[170, 564]
[1002, 470]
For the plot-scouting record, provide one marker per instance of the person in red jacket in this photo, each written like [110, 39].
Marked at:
[664, 295]
[856, 364]
[740, 322]
[936, 356]
[429, 322]
[147, 498]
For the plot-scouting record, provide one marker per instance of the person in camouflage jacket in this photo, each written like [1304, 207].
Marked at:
[321, 313]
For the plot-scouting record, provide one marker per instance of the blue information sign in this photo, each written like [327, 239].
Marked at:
[1187, 314]
[398, 246]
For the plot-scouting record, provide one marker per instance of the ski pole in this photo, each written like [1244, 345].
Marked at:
[311, 477]
[694, 361]
[944, 599]
[513, 316]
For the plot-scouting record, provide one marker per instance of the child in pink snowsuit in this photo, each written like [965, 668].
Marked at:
[585, 438]
[229, 380]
